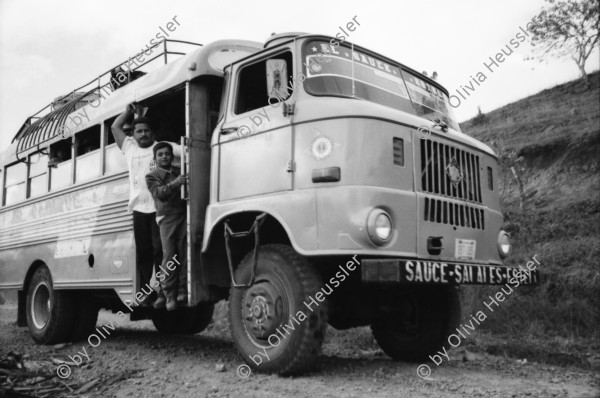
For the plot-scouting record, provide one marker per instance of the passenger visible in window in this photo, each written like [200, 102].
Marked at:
[58, 156]
[164, 183]
[140, 161]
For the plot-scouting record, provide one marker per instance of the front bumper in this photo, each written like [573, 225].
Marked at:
[411, 271]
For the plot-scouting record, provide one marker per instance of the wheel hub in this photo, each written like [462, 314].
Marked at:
[263, 309]
[41, 306]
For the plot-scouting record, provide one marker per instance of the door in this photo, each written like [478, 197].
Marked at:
[255, 142]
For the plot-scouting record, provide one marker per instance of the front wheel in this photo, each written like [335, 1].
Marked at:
[277, 324]
[50, 315]
[429, 315]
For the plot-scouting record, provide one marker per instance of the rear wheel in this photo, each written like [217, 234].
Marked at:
[49, 312]
[429, 315]
[183, 320]
[272, 327]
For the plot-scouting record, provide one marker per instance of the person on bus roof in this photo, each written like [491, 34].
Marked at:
[163, 183]
[137, 149]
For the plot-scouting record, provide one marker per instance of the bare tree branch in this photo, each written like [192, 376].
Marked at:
[567, 28]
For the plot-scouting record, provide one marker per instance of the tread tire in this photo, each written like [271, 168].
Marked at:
[58, 327]
[300, 348]
[438, 316]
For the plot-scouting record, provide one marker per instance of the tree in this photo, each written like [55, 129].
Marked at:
[567, 28]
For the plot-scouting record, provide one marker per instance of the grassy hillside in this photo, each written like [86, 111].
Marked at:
[555, 139]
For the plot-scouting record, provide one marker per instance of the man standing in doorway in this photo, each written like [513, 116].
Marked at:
[138, 150]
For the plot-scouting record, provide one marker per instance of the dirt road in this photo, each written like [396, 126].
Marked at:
[136, 361]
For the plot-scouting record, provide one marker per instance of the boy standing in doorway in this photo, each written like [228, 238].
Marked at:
[137, 150]
[164, 183]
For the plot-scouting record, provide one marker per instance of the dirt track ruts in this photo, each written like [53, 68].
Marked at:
[186, 366]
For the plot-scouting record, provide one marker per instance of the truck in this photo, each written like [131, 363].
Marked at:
[328, 185]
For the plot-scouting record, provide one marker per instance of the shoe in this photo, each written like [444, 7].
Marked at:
[149, 299]
[171, 304]
[160, 303]
[182, 297]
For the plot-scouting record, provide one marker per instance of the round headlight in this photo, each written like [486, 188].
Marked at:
[379, 226]
[504, 244]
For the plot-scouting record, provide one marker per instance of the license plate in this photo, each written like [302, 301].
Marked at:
[437, 272]
[465, 249]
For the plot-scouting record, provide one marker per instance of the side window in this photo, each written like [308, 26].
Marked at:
[87, 154]
[60, 164]
[38, 174]
[252, 83]
[114, 160]
[15, 188]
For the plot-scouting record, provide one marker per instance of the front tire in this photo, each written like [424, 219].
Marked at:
[431, 314]
[273, 329]
[50, 315]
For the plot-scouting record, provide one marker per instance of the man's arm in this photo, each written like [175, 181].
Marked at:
[160, 190]
[117, 126]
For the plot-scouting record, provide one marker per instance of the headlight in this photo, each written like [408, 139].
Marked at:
[504, 244]
[379, 226]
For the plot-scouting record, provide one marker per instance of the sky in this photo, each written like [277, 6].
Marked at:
[48, 48]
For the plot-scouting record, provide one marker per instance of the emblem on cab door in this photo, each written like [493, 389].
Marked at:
[322, 147]
[453, 172]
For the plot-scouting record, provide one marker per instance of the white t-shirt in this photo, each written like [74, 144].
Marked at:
[140, 161]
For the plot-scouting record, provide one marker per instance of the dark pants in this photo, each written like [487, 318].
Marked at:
[173, 233]
[148, 249]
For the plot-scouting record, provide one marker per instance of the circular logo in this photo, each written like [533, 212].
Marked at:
[322, 147]
[454, 172]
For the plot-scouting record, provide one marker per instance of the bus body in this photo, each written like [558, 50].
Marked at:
[303, 155]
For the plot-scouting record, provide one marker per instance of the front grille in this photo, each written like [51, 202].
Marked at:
[449, 171]
[444, 212]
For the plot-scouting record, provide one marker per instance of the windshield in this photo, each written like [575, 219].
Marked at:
[343, 71]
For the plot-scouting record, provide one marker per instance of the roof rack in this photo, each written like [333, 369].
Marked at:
[42, 126]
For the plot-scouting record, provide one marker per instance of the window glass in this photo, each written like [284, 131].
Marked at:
[15, 187]
[114, 160]
[15, 194]
[87, 162]
[87, 141]
[38, 174]
[252, 83]
[61, 176]
[38, 185]
[38, 164]
[429, 101]
[16, 174]
[344, 71]
[60, 164]
[88, 166]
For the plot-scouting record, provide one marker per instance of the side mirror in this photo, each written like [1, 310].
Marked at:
[277, 79]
